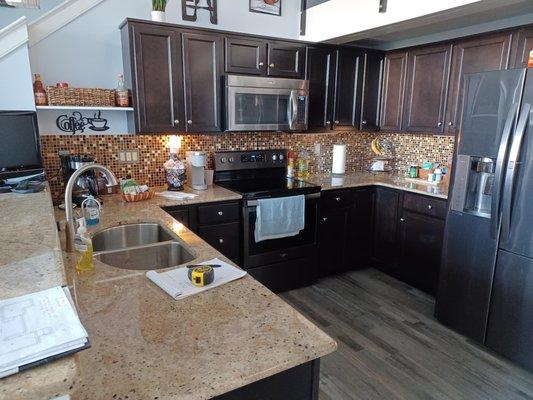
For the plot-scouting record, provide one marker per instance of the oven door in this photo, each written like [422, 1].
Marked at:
[266, 109]
[276, 250]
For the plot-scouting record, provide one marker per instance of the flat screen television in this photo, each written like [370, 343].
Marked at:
[20, 153]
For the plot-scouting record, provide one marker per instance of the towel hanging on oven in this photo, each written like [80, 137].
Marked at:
[279, 217]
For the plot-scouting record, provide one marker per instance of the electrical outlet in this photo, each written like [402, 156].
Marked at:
[128, 156]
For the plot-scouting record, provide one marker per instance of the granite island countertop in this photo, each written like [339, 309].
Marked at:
[146, 345]
[359, 179]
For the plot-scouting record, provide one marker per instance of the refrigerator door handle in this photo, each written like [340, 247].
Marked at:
[514, 154]
[498, 174]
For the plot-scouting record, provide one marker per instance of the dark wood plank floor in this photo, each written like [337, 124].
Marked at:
[391, 346]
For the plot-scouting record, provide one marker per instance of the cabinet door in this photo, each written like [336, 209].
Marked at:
[245, 56]
[156, 79]
[395, 70]
[421, 247]
[487, 53]
[372, 82]
[320, 72]
[202, 69]
[360, 231]
[348, 88]
[332, 230]
[385, 248]
[522, 45]
[428, 74]
[286, 60]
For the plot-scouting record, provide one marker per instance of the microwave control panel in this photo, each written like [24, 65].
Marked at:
[302, 101]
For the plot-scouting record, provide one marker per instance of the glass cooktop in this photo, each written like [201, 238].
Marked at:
[269, 187]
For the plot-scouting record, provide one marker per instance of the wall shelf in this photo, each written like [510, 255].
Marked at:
[84, 108]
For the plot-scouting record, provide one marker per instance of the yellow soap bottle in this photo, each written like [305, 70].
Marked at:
[84, 247]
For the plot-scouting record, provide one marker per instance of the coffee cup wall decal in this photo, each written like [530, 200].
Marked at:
[76, 123]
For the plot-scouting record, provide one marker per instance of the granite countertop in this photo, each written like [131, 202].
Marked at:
[357, 179]
[146, 345]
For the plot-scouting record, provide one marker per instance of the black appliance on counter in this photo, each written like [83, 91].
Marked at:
[86, 185]
[280, 264]
[20, 155]
[486, 281]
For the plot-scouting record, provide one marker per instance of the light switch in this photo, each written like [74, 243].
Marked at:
[128, 156]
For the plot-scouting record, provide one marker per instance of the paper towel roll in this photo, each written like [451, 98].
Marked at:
[339, 159]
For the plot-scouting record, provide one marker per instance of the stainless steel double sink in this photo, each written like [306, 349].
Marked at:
[141, 246]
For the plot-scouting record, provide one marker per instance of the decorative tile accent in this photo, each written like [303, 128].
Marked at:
[410, 149]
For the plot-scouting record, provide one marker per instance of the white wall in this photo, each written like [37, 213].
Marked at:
[349, 16]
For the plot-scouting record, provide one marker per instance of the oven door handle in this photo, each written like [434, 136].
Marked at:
[310, 196]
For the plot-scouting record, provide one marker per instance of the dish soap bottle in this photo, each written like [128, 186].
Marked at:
[84, 246]
[91, 208]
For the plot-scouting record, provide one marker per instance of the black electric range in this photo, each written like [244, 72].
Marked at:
[258, 174]
[280, 264]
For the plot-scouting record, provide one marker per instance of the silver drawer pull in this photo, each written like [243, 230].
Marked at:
[220, 241]
[220, 213]
[402, 219]
[430, 206]
[325, 219]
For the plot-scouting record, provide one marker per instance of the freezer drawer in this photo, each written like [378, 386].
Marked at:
[510, 327]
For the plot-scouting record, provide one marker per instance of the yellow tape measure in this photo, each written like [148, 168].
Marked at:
[201, 275]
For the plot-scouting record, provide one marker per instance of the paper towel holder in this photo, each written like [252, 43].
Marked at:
[338, 164]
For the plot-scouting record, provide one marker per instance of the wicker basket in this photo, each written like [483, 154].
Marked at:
[132, 198]
[80, 97]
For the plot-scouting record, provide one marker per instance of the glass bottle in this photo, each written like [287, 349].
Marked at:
[122, 93]
[39, 92]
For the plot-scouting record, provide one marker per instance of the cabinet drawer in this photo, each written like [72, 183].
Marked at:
[223, 237]
[425, 205]
[218, 213]
[337, 198]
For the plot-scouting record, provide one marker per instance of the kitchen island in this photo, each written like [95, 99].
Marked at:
[145, 345]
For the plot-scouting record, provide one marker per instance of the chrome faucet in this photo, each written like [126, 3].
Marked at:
[111, 179]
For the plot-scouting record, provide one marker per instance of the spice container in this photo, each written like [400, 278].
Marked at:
[530, 60]
[291, 161]
[39, 92]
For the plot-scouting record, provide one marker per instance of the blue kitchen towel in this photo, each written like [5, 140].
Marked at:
[279, 217]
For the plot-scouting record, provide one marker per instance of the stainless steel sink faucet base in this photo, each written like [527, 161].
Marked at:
[111, 179]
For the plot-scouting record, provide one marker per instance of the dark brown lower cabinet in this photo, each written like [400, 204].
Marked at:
[421, 247]
[298, 383]
[359, 246]
[385, 241]
[333, 235]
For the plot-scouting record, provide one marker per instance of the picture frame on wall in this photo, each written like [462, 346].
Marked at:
[271, 7]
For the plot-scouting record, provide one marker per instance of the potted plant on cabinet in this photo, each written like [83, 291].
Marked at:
[158, 10]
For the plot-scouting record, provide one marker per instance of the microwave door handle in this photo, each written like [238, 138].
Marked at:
[514, 154]
[498, 174]
[293, 109]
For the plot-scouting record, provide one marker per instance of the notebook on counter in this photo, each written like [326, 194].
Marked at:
[38, 328]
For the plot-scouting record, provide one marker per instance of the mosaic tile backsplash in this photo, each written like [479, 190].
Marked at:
[409, 149]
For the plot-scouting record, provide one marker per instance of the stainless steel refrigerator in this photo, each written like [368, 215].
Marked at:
[486, 280]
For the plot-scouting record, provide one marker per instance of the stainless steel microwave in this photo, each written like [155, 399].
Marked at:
[266, 104]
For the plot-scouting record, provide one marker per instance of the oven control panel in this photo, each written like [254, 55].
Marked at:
[252, 159]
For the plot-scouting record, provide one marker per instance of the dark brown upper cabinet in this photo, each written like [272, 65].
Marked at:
[286, 60]
[522, 45]
[202, 71]
[348, 88]
[245, 56]
[428, 72]
[320, 72]
[152, 66]
[480, 54]
[394, 73]
[372, 84]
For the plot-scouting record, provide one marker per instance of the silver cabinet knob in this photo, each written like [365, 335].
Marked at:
[337, 198]
[261, 63]
[364, 122]
[439, 124]
[283, 255]
[176, 122]
[402, 219]
[328, 122]
[450, 123]
[336, 121]
[430, 206]
[189, 121]
[220, 241]
[220, 213]
[271, 65]
[324, 219]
